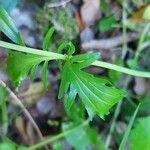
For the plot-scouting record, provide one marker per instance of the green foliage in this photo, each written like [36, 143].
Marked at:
[7, 26]
[66, 28]
[58, 145]
[82, 138]
[19, 65]
[47, 38]
[146, 15]
[107, 24]
[44, 74]
[7, 146]
[3, 111]
[97, 94]
[126, 135]
[140, 137]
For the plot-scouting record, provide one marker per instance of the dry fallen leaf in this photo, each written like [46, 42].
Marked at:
[35, 91]
[139, 15]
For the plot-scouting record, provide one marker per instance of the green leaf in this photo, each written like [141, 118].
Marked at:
[70, 97]
[58, 145]
[47, 38]
[97, 94]
[107, 24]
[2, 95]
[146, 14]
[140, 137]
[85, 60]
[22, 148]
[76, 112]
[33, 72]
[44, 74]
[126, 135]
[83, 137]
[67, 45]
[7, 146]
[3, 111]
[7, 26]
[19, 65]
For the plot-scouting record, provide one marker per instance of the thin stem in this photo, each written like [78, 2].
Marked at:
[18, 101]
[124, 30]
[4, 114]
[121, 69]
[56, 56]
[116, 114]
[57, 137]
[24, 49]
[142, 37]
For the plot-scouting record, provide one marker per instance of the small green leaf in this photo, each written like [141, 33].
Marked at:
[69, 46]
[3, 111]
[47, 38]
[140, 137]
[83, 138]
[44, 74]
[7, 146]
[58, 145]
[85, 60]
[22, 148]
[126, 135]
[107, 24]
[19, 65]
[7, 26]
[146, 14]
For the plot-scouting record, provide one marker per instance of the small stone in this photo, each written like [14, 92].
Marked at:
[86, 35]
[90, 12]
[44, 105]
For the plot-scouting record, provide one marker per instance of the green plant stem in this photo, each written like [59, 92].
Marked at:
[116, 114]
[24, 49]
[142, 37]
[128, 79]
[56, 56]
[121, 69]
[57, 137]
[4, 114]
[4, 117]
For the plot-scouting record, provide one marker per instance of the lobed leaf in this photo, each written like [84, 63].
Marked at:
[97, 94]
[19, 65]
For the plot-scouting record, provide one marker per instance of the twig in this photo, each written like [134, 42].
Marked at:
[59, 4]
[18, 101]
[110, 42]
